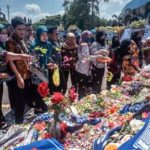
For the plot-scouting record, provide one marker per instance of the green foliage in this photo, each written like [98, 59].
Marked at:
[137, 24]
[83, 13]
[49, 21]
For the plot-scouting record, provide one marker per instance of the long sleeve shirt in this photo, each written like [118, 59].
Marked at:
[95, 47]
[82, 66]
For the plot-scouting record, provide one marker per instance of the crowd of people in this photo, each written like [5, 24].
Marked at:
[20, 47]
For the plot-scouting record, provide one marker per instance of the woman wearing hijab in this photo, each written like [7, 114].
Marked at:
[69, 58]
[40, 50]
[113, 66]
[115, 42]
[83, 66]
[98, 68]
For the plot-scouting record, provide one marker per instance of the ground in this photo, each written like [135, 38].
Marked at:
[5, 101]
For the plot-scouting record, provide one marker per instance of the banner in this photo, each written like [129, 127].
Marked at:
[47, 144]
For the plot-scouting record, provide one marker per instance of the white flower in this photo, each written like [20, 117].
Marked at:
[93, 97]
[136, 125]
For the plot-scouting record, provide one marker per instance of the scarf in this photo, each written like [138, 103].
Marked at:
[70, 42]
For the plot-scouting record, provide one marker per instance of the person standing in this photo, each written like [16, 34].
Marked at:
[98, 68]
[83, 65]
[136, 36]
[69, 59]
[114, 68]
[128, 57]
[55, 62]
[29, 39]
[21, 85]
[40, 49]
[3, 39]
[4, 58]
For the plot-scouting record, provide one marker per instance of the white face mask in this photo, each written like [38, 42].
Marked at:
[3, 38]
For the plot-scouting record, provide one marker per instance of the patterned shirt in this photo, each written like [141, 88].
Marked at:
[14, 44]
[69, 58]
[95, 47]
[83, 67]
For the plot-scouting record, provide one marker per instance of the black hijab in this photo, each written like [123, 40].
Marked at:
[99, 37]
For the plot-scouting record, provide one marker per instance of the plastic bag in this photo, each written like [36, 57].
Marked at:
[56, 77]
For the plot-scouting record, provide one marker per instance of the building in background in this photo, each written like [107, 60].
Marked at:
[136, 10]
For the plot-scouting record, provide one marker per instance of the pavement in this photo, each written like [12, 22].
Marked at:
[5, 101]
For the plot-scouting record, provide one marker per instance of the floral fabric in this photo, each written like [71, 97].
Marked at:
[95, 47]
[83, 67]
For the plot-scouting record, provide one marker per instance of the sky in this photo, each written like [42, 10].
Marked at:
[38, 9]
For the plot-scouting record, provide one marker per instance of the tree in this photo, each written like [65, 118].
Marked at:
[115, 17]
[117, 20]
[85, 13]
[50, 21]
[66, 4]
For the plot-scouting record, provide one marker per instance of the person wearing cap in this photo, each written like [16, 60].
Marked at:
[21, 83]
[146, 52]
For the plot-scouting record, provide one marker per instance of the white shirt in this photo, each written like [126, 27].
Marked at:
[83, 67]
[95, 47]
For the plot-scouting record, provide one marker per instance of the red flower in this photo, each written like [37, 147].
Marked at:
[97, 114]
[72, 94]
[57, 97]
[63, 128]
[127, 78]
[111, 125]
[40, 126]
[43, 89]
[46, 135]
[113, 109]
[145, 115]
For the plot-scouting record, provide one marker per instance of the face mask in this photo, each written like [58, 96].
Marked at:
[3, 38]
[88, 40]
